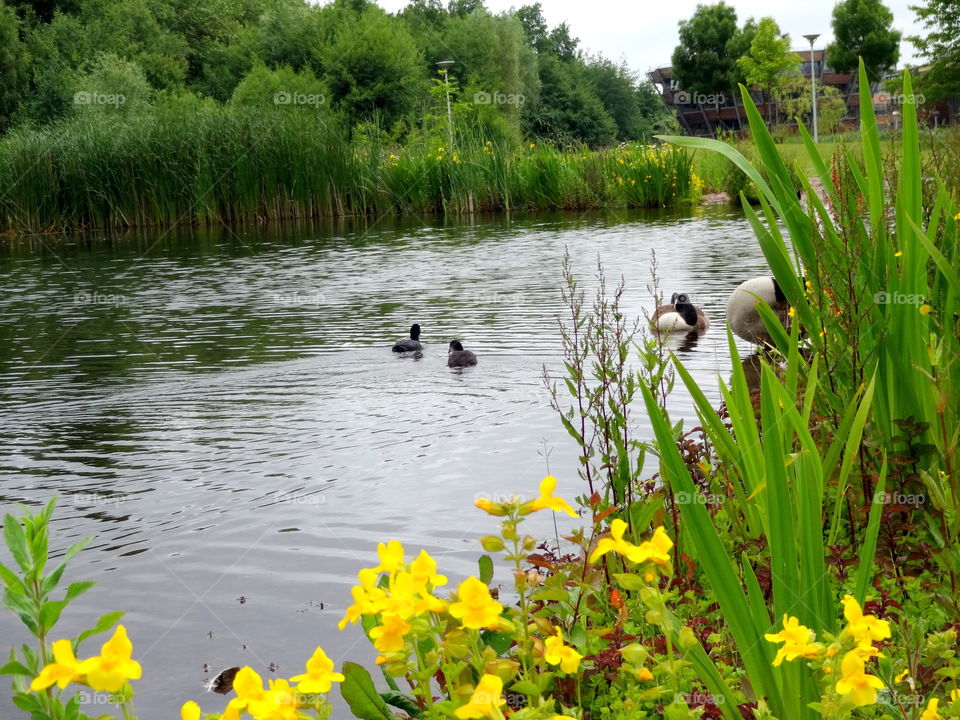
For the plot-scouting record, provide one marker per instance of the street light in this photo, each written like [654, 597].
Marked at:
[445, 66]
[813, 84]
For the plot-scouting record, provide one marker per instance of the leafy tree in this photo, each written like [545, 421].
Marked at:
[371, 65]
[14, 65]
[535, 27]
[281, 87]
[113, 86]
[862, 28]
[705, 61]
[941, 19]
[770, 65]
[635, 106]
[831, 107]
[569, 110]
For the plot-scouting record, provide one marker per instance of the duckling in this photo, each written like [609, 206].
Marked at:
[411, 344]
[458, 357]
[679, 316]
[742, 315]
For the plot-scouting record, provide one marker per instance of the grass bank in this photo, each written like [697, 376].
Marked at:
[231, 164]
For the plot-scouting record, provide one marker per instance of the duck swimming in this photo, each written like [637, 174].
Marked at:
[679, 316]
[411, 344]
[458, 357]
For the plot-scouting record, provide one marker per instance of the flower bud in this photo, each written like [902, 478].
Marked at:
[509, 531]
[491, 543]
[635, 653]
[504, 669]
[490, 507]
[687, 638]
[529, 543]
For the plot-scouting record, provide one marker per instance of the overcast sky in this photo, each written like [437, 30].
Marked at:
[645, 32]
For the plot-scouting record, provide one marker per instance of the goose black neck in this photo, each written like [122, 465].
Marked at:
[777, 291]
[415, 332]
[688, 312]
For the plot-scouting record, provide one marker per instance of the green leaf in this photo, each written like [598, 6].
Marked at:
[50, 614]
[105, 622]
[498, 641]
[16, 541]
[629, 581]
[11, 580]
[869, 551]
[78, 588]
[15, 668]
[486, 568]
[526, 687]
[404, 702]
[360, 694]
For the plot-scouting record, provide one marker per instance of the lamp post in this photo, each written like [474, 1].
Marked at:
[813, 84]
[445, 66]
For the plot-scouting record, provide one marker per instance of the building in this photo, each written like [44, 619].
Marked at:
[723, 111]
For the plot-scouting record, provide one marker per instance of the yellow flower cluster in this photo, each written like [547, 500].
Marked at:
[855, 643]
[408, 593]
[655, 550]
[108, 671]
[279, 700]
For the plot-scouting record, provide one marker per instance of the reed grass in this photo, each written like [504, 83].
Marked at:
[235, 164]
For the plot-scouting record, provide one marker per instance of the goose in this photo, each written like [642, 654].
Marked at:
[458, 357]
[742, 315]
[410, 344]
[679, 316]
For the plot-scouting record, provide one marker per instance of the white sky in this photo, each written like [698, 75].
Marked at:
[645, 33]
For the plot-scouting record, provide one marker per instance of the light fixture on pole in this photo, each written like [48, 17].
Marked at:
[445, 66]
[813, 84]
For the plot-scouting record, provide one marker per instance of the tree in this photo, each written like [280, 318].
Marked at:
[862, 28]
[703, 63]
[370, 63]
[941, 19]
[14, 64]
[770, 65]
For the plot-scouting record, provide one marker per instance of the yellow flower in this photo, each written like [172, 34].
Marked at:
[863, 628]
[797, 641]
[280, 702]
[248, 686]
[957, 216]
[548, 501]
[190, 711]
[954, 695]
[391, 557]
[319, 676]
[556, 653]
[424, 571]
[615, 543]
[861, 687]
[368, 599]
[644, 675]
[792, 312]
[63, 670]
[388, 637]
[485, 701]
[475, 608]
[562, 717]
[901, 676]
[930, 713]
[898, 253]
[532, 145]
[925, 309]
[656, 549]
[111, 669]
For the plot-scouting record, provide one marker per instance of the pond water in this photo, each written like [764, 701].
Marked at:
[220, 411]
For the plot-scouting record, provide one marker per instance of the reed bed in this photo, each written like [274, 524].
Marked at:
[233, 164]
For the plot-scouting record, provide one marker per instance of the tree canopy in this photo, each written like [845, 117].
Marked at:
[941, 19]
[370, 66]
[864, 28]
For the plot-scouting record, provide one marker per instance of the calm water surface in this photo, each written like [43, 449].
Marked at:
[221, 412]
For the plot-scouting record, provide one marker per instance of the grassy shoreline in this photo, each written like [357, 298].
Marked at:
[230, 165]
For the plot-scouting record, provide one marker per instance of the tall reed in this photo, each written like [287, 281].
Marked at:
[226, 164]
